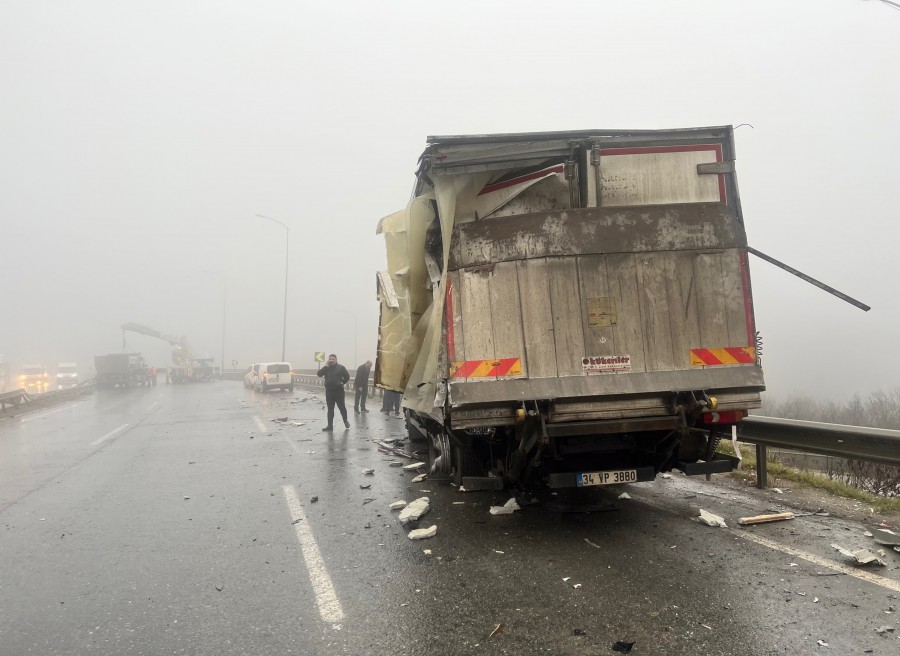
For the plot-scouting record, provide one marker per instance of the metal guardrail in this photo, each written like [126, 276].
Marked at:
[852, 442]
[316, 381]
[14, 398]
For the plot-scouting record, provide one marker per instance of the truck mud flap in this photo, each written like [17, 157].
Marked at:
[720, 464]
[472, 483]
[570, 479]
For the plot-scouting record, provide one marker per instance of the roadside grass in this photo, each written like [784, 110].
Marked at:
[778, 471]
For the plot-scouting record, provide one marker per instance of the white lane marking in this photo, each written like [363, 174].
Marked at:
[50, 412]
[259, 423]
[822, 562]
[326, 598]
[110, 434]
[152, 405]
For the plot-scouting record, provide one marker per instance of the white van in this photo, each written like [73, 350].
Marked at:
[274, 374]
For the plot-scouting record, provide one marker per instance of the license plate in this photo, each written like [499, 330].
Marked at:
[613, 477]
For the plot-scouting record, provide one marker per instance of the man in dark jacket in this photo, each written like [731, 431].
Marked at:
[336, 376]
[361, 385]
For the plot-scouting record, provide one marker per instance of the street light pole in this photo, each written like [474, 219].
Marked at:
[224, 301]
[287, 241]
[355, 334]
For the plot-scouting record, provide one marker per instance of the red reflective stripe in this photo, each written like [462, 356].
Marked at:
[448, 314]
[497, 186]
[466, 368]
[502, 367]
[740, 354]
[748, 299]
[706, 356]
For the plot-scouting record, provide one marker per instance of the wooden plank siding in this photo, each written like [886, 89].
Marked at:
[537, 323]
[666, 303]
[506, 314]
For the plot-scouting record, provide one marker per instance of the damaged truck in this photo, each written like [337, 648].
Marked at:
[571, 308]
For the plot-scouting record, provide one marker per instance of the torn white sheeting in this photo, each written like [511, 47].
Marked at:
[397, 505]
[387, 289]
[415, 510]
[419, 478]
[422, 533]
[507, 508]
[710, 519]
[861, 556]
[414, 466]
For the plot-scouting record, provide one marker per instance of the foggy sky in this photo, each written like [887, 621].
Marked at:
[139, 139]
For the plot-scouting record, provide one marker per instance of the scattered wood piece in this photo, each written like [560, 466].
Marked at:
[762, 519]
[388, 447]
[497, 631]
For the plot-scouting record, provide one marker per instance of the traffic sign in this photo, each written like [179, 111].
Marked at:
[320, 356]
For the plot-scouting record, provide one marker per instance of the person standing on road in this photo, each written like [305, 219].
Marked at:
[361, 385]
[336, 376]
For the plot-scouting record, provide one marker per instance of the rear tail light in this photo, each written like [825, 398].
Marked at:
[729, 417]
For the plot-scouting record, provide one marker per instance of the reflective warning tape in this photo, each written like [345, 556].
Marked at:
[486, 368]
[718, 356]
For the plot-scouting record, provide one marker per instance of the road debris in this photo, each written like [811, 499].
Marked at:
[777, 490]
[576, 585]
[297, 521]
[365, 487]
[596, 546]
[423, 533]
[220, 588]
[427, 552]
[368, 472]
[314, 499]
[280, 420]
[419, 478]
[415, 510]
[388, 447]
[566, 578]
[762, 519]
[710, 519]
[662, 476]
[310, 453]
[497, 630]
[861, 556]
[397, 505]
[298, 423]
[822, 643]
[395, 463]
[624, 495]
[507, 508]
[368, 500]
[414, 466]
[886, 537]
[884, 630]
[623, 647]
[578, 632]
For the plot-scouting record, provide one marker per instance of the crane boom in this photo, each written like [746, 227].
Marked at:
[181, 354]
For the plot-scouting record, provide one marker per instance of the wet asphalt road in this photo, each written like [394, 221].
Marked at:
[179, 520]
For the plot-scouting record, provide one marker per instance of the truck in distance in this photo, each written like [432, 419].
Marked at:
[66, 375]
[571, 308]
[33, 378]
[120, 370]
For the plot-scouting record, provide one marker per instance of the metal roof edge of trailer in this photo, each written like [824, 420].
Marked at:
[577, 134]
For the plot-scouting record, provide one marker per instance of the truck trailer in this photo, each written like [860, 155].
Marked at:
[571, 308]
[120, 370]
